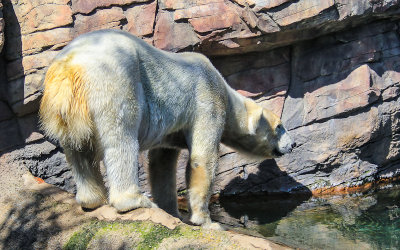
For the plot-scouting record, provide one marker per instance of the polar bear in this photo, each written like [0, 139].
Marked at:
[108, 95]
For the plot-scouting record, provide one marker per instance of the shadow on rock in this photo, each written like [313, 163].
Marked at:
[11, 89]
[31, 216]
[270, 195]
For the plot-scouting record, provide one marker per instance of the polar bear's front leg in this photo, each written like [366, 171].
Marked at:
[200, 172]
[200, 176]
[121, 151]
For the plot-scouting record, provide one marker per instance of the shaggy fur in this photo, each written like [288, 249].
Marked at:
[109, 95]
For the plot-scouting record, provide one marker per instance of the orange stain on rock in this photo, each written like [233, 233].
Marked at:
[39, 180]
[354, 189]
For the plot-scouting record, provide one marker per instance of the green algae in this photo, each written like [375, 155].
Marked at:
[153, 237]
[151, 234]
[81, 239]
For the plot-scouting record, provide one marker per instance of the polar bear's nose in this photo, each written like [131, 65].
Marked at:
[293, 145]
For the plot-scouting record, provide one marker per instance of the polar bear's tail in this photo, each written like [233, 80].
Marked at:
[64, 112]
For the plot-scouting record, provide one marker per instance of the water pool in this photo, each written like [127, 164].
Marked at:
[357, 221]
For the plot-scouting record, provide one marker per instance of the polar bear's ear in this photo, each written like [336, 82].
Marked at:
[254, 112]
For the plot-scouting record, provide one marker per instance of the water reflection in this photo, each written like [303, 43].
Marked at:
[357, 221]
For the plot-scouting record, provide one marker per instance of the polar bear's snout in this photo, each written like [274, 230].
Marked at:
[285, 144]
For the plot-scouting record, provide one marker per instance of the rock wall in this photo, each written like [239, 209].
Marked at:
[329, 68]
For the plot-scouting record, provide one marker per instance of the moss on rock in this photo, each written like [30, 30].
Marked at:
[144, 235]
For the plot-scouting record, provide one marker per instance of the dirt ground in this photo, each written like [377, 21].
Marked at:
[37, 215]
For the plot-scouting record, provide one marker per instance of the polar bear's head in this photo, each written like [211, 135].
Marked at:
[265, 133]
[270, 138]
[262, 134]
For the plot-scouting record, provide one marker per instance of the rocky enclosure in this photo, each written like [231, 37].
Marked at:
[330, 68]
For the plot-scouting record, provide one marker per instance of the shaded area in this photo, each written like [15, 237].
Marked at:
[258, 194]
[31, 218]
[265, 178]
[360, 221]
[23, 230]
[342, 108]
[10, 135]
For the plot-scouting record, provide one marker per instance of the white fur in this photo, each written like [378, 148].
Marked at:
[285, 143]
[143, 98]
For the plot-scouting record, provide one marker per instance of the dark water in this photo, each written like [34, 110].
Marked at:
[358, 221]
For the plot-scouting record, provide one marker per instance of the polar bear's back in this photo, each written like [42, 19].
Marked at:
[122, 76]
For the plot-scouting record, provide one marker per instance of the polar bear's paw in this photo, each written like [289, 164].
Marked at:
[213, 226]
[203, 219]
[127, 201]
[91, 199]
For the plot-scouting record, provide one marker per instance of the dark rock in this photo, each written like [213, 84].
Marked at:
[9, 135]
[1, 28]
[29, 128]
[5, 112]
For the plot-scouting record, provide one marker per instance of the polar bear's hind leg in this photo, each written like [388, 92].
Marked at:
[91, 192]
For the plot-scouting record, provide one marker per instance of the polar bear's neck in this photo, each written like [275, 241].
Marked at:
[236, 116]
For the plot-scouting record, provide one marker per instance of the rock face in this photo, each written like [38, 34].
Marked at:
[330, 69]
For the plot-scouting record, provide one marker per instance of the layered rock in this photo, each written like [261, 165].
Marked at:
[329, 68]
